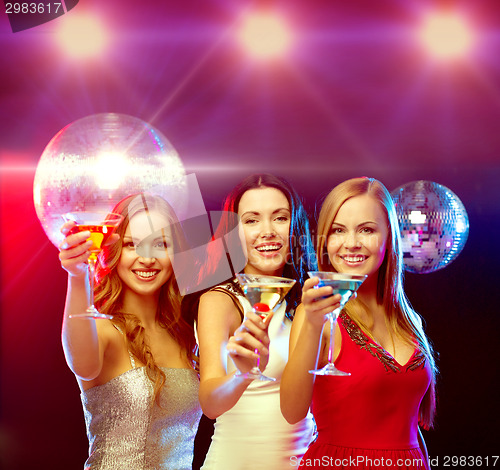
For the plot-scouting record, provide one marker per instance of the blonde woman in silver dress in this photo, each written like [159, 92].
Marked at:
[139, 389]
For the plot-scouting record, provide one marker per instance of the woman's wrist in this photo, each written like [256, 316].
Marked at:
[313, 323]
[240, 379]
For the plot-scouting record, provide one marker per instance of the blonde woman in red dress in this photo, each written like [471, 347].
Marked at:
[372, 418]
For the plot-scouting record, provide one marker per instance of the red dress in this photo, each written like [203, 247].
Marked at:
[370, 419]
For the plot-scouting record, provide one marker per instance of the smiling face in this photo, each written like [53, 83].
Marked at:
[145, 265]
[358, 236]
[265, 222]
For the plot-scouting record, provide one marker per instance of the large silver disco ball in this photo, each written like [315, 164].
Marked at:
[96, 161]
[434, 225]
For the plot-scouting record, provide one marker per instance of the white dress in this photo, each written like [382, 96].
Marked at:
[253, 434]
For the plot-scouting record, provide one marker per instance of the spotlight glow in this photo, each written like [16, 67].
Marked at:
[265, 35]
[81, 36]
[111, 169]
[446, 36]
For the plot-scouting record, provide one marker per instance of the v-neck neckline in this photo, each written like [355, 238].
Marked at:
[387, 353]
[390, 361]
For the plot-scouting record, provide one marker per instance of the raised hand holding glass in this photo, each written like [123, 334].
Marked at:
[265, 294]
[101, 226]
[345, 285]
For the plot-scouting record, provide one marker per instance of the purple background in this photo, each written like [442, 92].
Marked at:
[357, 95]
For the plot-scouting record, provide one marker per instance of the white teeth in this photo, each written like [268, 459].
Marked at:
[145, 273]
[353, 259]
[268, 248]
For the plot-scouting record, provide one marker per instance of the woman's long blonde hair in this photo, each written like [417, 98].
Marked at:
[109, 291]
[401, 318]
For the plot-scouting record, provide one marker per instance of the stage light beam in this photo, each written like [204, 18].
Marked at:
[81, 36]
[446, 36]
[265, 35]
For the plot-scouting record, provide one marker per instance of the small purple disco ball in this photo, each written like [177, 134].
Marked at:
[433, 223]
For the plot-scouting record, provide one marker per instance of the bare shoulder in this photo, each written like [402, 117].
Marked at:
[299, 313]
[298, 320]
[217, 308]
[218, 300]
[112, 341]
[107, 331]
[115, 359]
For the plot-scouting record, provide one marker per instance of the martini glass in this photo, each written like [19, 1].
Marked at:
[101, 226]
[345, 285]
[265, 294]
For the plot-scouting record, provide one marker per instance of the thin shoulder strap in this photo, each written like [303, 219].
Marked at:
[132, 360]
[233, 297]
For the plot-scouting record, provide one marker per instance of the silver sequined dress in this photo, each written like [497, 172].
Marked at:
[126, 432]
